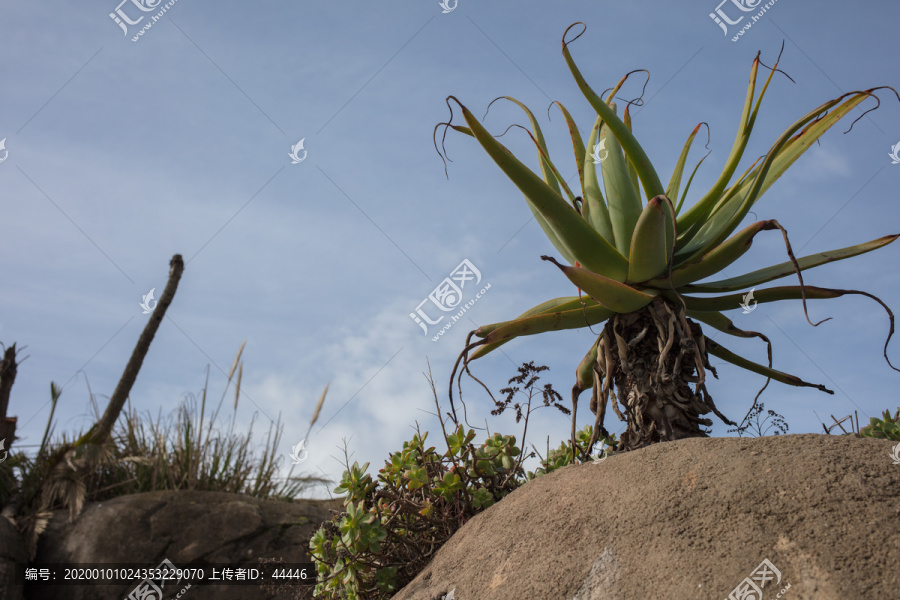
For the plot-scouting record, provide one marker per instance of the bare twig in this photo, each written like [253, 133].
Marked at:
[103, 428]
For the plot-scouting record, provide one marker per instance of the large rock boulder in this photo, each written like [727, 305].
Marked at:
[185, 527]
[815, 515]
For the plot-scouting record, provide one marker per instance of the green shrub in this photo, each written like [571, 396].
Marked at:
[562, 456]
[392, 526]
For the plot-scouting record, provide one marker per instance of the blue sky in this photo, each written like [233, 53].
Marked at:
[122, 153]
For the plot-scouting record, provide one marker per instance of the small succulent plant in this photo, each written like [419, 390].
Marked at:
[886, 428]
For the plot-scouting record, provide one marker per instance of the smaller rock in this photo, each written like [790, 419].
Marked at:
[12, 552]
[189, 528]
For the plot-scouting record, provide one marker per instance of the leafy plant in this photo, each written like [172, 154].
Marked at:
[393, 525]
[887, 428]
[144, 456]
[639, 255]
[752, 420]
[562, 456]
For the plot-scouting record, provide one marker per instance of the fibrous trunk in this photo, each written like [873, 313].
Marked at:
[648, 360]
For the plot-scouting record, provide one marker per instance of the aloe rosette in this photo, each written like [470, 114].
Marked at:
[640, 259]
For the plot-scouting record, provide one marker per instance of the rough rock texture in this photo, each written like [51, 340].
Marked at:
[688, 520]
[12, 552]
[184, 527]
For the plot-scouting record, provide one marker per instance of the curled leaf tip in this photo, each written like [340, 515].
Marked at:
[553, 260]
[566, 32]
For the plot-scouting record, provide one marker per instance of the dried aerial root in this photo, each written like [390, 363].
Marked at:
[646, 361]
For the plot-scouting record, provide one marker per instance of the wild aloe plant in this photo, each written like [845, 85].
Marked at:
[639, 256]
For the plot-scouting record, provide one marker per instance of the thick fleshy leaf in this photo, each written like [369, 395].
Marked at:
[720, 258]
[719, 321]
[761, 276]
[675, 181]
[551, 174]
[722, 323]
[584, 373]
[686, 236]
[622, 199]
[635, 181]
[612, 294]
[726, 219]
[595, 210]
[789, 292]
[649, 253]
[687, 188]
[703, 208]
[551, 171]
[550, 306]
[718, 350]
[774, 294]
[555, 305]
[631, 147]
[537, 215]
[576, 239]
[543, 153]
[796, 146]
[577, 143]
[554, 321]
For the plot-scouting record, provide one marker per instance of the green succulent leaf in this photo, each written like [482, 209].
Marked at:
[632, 173]
[717, 259]
[595, 210]
[622, 198]
[649, 253]
[481, 498]
[571, 234]
[700, 211]
[417, 477]
[718, 350]
[773, 294]
[675, 181]
[386, 579]
[615, 296]
[556, 321]
[584, 374]
[549, 172]
[577, 143]
[782, 154]
[784, 269]
[633, 150]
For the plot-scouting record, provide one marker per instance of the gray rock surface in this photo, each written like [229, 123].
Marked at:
[12, 552]
[185, 527]
[688, 520]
